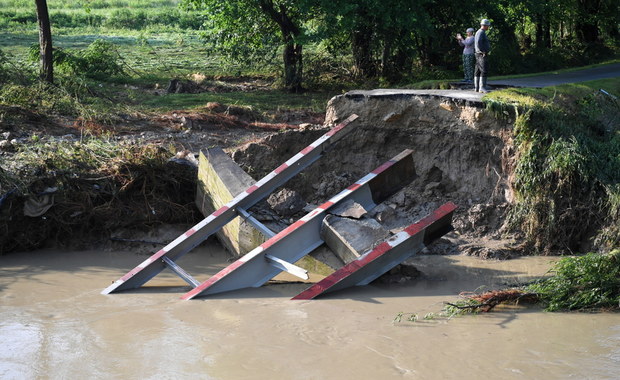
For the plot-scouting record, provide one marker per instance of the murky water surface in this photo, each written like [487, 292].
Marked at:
[55, 324]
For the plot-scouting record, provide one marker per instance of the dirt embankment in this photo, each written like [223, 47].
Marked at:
[461, 152]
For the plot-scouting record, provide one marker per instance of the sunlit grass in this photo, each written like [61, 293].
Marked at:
[261, 101]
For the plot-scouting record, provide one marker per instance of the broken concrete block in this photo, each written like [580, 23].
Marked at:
[220, 179]
[350, 238]
[349, 209]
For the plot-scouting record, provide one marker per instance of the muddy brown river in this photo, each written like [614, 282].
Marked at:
[55, 324]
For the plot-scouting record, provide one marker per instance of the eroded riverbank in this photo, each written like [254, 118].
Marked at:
[55, 324]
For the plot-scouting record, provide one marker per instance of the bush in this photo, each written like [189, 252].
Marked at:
[586, 282]
[99, 60]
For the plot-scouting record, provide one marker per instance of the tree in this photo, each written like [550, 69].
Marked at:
[380, 33]
[243, 28]
[45, 41]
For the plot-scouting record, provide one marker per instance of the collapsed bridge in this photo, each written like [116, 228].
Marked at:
[362, 262]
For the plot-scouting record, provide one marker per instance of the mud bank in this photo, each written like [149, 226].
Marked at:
[462, 154]
[55, 324]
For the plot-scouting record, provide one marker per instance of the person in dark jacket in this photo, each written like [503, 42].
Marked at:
[483, 48]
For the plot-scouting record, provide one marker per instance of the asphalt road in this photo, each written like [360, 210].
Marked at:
[539, 81]
[468, 94]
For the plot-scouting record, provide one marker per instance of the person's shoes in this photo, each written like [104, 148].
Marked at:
[483, 85]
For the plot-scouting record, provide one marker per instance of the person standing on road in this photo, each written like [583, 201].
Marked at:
[482, 48]
[469, 58]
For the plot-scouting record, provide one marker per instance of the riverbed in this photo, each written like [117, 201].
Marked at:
[55, 324]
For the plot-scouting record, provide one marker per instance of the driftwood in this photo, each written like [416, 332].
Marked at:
[488, 300]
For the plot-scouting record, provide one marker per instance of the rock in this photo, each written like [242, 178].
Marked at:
[431, 187]
[392, 117]
[383, 213]
[176, 86]
[399, 199]
[400, 274]
[286, 202]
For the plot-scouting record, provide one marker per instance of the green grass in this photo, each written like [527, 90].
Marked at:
[261, 101]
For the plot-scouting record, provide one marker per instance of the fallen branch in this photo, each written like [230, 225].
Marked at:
[487, 301]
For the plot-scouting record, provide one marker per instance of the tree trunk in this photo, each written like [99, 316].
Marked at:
[293, 66]
[362, 52]
[547, 33]
[587, 21]
[539, 31]
[292, 56]
[386, 64]
[45, 41]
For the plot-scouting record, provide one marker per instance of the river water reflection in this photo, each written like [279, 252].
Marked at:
[55, 324]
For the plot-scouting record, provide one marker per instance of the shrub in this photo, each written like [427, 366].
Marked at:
[591, 281]
[99, 60]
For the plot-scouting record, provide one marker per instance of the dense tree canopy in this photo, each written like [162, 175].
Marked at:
[388, 37]
[395, 38]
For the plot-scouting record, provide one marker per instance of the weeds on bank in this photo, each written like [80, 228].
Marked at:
[98, 183]
[584, 283]
[566, 170]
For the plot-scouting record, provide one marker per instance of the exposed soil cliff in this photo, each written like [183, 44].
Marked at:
[462, 154]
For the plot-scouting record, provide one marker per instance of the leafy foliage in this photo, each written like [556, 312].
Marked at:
[586, 282]
[99, 60]
[387, 39]
[237, 29]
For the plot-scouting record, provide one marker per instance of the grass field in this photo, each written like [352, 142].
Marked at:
[154, 38]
